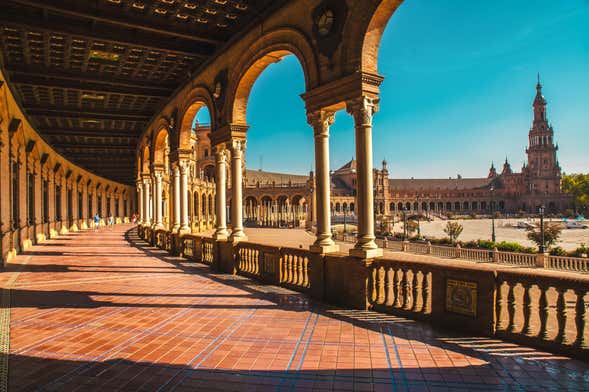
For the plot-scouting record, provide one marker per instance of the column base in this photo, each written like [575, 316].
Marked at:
[323, 249]
[366, 253]
[184, 230]
[159, 226]
[235, 239]
[220, 236]
[63, 230]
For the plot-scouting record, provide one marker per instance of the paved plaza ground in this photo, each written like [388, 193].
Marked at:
[106, 312]
[475, 229]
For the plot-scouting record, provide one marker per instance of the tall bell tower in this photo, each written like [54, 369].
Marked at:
[543, 172]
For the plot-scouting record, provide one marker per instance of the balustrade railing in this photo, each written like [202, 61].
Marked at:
[248, 258]
[517, 258]
[547, 311]
[400, 287]
[536, 307]
[568, 263]
[207, 250]
[481, 255]
[444, 251]
[294, 268]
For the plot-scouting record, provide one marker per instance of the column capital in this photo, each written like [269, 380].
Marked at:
[220, 154]
[237, 145]
[363, 108]
[320, 120]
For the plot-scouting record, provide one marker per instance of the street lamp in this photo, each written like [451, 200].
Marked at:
[345, 208]
[403, 209]
[418, 221]
[492, 214]
[541, 210]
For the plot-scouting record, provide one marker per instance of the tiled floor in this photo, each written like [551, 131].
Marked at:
[103, 311]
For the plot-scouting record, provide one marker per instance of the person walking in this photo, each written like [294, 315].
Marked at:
[134, 218]
[96, 222]
[111, 221]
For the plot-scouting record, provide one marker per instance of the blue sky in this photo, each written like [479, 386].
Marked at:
[459, 82]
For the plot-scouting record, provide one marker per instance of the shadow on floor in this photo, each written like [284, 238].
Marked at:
[118, 374]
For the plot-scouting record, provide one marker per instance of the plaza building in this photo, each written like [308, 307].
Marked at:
[286, 200]
[98, 108]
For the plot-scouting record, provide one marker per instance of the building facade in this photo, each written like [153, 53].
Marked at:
[283, 199]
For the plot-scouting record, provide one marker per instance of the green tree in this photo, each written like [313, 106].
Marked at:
[578, 186]
[453, 229]
[551, 235]
[411, 226]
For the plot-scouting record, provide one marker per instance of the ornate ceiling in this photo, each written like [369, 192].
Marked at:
[91, 73]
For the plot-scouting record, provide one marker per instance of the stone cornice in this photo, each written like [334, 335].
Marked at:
[334, 94]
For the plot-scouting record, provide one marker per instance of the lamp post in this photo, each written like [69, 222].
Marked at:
[418, 221]
[404, 223]
[541, 210]
[345, 208]
[493, 238]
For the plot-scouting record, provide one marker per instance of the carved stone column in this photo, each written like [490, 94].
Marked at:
[362, 110]
[184, 225]
[320, 121]
[158, 200]
[146, 201]
[221, 196]
[237, 148]
[176, 198]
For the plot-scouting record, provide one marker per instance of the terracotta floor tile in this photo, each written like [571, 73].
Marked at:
[105, 311]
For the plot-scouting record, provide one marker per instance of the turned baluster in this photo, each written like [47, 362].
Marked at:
[380, 285]
[425, 290]
[406, 290]
[580, 312]
[561, 316]
[299, 264]
[544, 310]
[527, 329]
[288, 269]
[415, 291]
[511, 307]
[499, 306]
[388, 287]
[398, 287]
[305, 272]
[372, 283]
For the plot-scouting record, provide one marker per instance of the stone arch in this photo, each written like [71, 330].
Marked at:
[363, 36]
[145, 160]
[267, 49]
[160, 140]
[199, 98]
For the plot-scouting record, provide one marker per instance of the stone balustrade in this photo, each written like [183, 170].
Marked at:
[538, 307]
[563, 263]
[568, 263]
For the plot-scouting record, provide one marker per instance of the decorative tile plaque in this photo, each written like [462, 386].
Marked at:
[461, 297]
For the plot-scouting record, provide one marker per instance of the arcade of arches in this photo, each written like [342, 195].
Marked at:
[100, 119]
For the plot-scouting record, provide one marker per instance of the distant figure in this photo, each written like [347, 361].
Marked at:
[134, 218]
[96, 222]
[111, 220]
